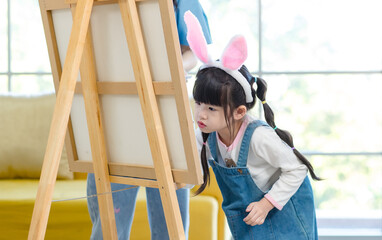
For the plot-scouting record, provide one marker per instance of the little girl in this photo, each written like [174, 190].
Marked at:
[262, 177]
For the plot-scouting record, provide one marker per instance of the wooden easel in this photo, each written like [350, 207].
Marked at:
[80, 57]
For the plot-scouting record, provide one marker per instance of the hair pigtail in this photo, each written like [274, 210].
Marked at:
[206, 171]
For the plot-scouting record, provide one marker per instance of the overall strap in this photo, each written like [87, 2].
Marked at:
[244, 148]
[211, 140]
[212, 143]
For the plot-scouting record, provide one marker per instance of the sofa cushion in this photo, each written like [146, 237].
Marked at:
[66, 218]
[71, 218]
[24, 127]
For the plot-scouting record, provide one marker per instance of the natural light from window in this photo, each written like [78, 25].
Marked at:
[323, 64]
[322, 61]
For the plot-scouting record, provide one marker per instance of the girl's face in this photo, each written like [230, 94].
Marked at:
[210, 118]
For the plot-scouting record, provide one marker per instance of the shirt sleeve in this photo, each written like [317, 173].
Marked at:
[195, 7]
[270, 148]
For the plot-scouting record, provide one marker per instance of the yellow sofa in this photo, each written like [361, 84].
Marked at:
[24, 126]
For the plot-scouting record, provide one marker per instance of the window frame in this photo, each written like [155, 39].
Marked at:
[9, 73]
[335, 231]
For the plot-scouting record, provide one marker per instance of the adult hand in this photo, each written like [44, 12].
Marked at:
[189, 58]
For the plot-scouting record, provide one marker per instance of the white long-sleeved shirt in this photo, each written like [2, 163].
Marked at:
[273, 166]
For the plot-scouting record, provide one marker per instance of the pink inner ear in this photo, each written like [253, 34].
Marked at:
[195, 37]
[235, 53]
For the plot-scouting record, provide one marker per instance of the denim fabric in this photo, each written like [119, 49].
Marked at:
[295, 221]
[124, 207]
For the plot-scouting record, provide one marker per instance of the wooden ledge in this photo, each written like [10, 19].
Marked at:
[128, 88]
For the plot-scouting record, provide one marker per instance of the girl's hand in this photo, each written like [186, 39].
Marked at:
[258, 211]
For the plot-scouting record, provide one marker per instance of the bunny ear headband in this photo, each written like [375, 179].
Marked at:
[233, 56]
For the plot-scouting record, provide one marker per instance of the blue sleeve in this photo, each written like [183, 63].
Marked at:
[195, 7]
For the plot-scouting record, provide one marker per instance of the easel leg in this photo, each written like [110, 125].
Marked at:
[97, 140]
[60, 121]
[151, 115]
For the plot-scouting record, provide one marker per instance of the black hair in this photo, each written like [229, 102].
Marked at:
[215, 87]
[175, 2]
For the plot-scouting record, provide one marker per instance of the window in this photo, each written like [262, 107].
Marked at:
[24, 62]
[322, 61]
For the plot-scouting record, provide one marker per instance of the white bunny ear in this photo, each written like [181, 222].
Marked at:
[195, 37]
[235, 53]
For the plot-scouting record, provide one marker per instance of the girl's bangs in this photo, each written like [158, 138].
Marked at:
[207, 89]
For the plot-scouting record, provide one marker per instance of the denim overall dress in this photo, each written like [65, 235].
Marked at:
[297, 219]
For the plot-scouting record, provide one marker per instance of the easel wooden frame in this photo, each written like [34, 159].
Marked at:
[80, 57]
